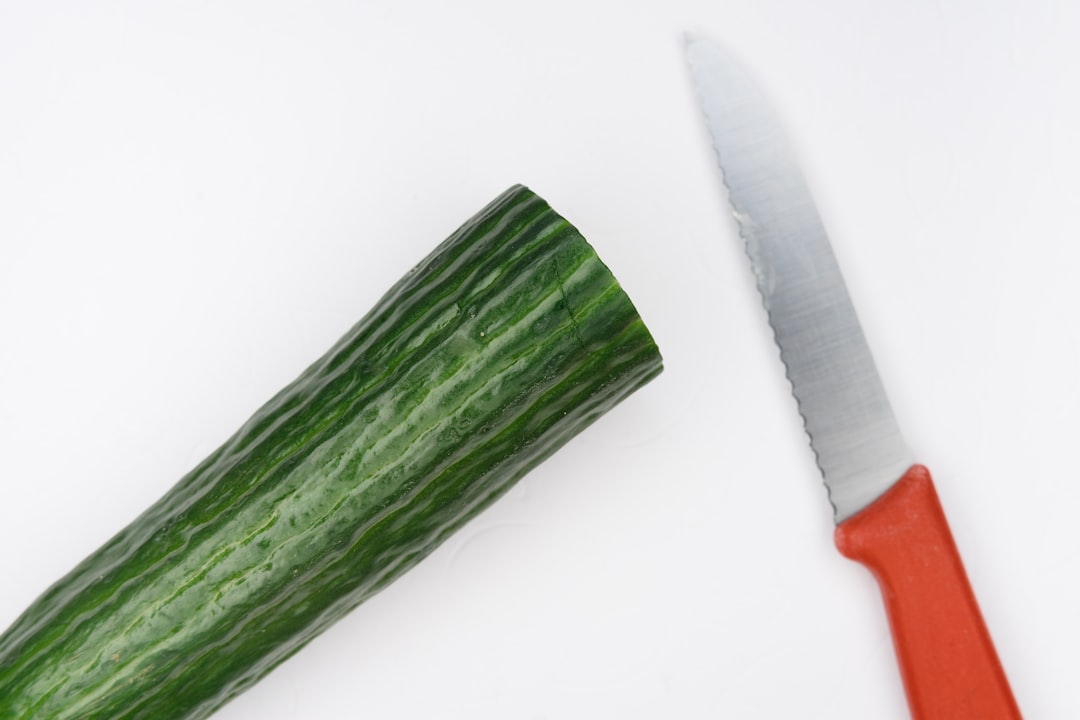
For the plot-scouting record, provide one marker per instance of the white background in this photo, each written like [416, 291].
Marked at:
[197, 199]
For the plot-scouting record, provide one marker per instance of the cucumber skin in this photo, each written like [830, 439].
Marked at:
[505, 342]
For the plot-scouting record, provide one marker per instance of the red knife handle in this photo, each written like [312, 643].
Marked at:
[947, 659]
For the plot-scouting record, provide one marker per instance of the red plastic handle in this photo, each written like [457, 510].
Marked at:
[947, 659]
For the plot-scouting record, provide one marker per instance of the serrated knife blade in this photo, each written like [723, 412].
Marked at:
[887, 511]
[852, 429]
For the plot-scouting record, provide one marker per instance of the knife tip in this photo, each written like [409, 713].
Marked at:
[690, 39]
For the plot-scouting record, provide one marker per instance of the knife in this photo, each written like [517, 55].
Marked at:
[888, 516]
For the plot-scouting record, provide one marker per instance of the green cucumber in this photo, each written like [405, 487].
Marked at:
[505, 342]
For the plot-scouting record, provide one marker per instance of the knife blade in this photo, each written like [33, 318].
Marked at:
[888, 516]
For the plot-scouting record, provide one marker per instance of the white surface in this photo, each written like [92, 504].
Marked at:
[197, 199]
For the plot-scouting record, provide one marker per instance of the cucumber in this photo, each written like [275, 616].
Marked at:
[505, 342]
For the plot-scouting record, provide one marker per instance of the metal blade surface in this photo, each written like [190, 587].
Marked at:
[852, 429]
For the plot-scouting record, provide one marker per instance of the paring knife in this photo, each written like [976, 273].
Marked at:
[887, 511]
